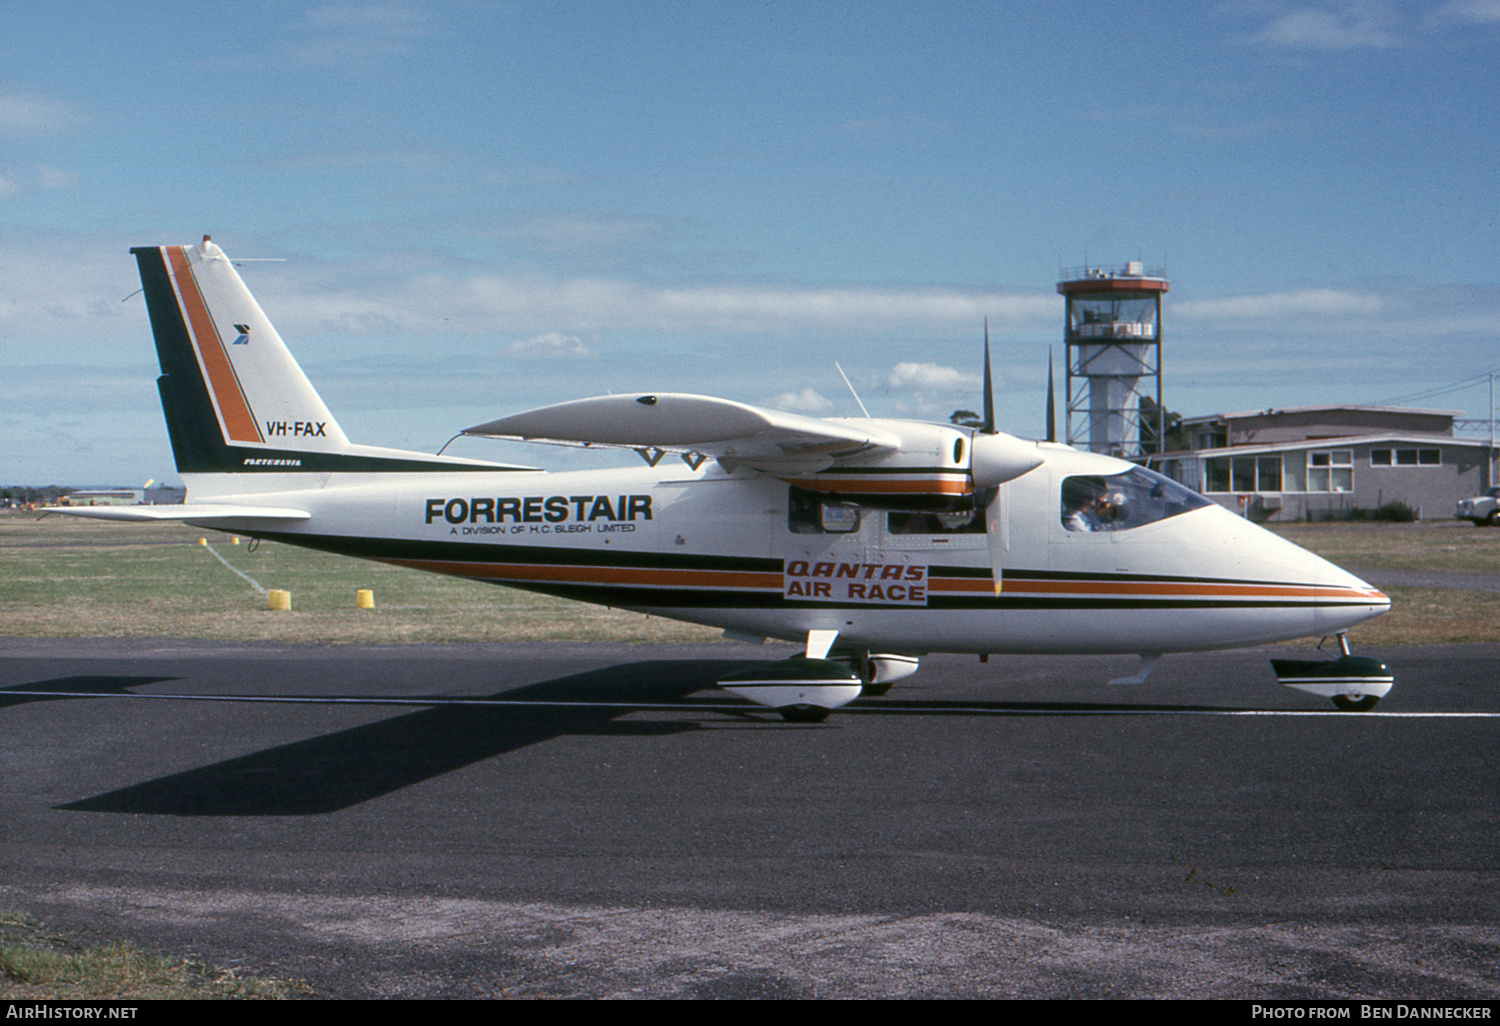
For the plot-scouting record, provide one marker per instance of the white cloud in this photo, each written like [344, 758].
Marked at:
[549, 345]
[927, 376]
[1346, 27]
[1483, 12]
[15, 182]
[29, 114]
[591, 304]
[580, 232]
[359, 35]
[1303, 303]
[48, 177]
[807, 401]
[350, 37]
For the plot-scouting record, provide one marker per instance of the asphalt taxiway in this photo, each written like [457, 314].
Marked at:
[593, 820]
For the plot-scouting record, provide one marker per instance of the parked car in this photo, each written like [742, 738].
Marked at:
[1484, 509]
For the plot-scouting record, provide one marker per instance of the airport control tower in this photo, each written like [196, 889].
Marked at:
[1112, 327]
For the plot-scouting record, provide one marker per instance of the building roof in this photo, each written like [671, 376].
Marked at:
[1272, 412]
[1339, 442]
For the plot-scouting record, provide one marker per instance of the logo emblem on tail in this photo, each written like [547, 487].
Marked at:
[244, 339]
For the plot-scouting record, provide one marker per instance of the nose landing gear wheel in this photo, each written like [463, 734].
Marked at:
[1362, 704]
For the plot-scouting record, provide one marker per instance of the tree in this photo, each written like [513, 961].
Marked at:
[1176, 438]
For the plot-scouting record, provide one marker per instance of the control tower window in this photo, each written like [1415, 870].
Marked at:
[1112, 317]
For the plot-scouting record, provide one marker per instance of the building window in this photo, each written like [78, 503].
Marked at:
[1406, 457]
[1216, 474]
[1243, 474]
[1330, 470]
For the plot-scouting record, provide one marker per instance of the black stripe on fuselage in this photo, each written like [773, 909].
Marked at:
[407, 551]
[247, 460]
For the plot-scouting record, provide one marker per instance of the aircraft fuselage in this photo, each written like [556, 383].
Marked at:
[747, 552]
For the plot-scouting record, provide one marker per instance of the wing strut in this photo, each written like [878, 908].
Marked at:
[819, 642]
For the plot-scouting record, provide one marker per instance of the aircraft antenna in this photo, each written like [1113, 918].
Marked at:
[851, 389]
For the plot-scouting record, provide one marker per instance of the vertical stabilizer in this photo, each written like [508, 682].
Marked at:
[234, 398]
[227, 380]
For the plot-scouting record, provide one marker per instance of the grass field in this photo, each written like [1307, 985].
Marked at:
[68, 578]
[1448, 546]
[39, 964]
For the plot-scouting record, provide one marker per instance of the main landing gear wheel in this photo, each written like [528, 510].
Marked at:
[804, 713]
[1363, 704]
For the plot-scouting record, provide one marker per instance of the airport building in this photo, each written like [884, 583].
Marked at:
[1317, 461]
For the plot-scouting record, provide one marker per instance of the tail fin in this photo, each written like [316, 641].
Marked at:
[234, 398]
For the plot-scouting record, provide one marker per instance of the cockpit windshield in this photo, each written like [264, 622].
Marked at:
[1121, 502]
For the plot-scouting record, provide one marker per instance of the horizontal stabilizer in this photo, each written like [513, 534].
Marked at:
[676, 422]
[193, 512]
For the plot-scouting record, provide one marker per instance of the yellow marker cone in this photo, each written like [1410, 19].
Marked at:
[279, 600]
[364, 598]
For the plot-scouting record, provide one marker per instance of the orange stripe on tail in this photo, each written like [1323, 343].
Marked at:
[223, 383]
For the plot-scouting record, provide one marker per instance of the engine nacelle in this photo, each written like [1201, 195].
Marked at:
[888, 667]
[877, 670]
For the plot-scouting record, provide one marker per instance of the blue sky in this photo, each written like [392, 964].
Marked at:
[487, 206]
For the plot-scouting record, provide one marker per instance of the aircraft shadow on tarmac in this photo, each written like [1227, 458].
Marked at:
[58, 689]
[325, 774]
[333, 772]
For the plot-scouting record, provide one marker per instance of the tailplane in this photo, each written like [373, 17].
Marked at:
[235, 399]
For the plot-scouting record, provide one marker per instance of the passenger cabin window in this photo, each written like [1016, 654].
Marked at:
[809, 513]
[1121, 502]
[970, 522]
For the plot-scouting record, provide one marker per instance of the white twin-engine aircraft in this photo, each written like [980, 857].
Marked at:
[870, 541]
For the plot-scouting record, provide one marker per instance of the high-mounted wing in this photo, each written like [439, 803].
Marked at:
[884, 463]
[731, 432]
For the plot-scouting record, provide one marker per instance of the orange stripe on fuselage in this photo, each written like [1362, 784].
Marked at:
[223, 383]
[597, 574]
[884, 485]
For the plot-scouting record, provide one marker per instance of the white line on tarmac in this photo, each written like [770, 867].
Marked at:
[727, 706]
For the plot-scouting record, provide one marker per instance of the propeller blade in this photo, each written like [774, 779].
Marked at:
[989, 385]
[1051, 400]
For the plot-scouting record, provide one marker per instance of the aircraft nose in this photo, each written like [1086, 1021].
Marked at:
[1346, 600]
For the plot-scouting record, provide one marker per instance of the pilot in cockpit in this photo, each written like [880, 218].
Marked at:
[1087, 505]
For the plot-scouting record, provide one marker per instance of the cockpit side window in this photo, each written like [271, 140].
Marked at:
[1121, 502]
